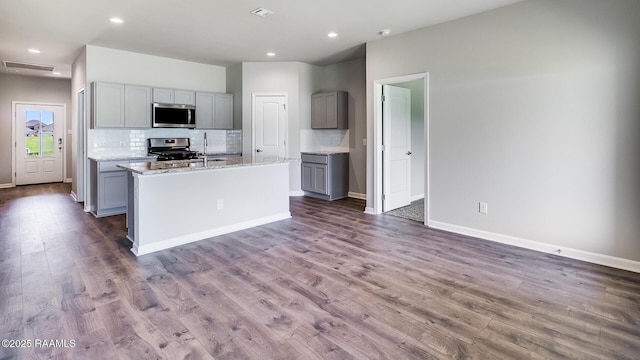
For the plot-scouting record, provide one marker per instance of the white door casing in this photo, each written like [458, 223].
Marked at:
[39, 155]
[269, 125]
[396, 129]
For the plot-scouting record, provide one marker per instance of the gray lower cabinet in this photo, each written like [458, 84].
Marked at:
[108, 188]
[325, 175]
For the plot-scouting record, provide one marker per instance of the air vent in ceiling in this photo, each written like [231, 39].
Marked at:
[19, 65]
[262, 12]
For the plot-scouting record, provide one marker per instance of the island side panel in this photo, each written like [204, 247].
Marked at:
[178, 208]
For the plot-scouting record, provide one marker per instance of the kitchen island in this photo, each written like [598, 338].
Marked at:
[171, 203]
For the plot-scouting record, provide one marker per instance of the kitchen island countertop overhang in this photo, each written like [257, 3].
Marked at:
[172, 203]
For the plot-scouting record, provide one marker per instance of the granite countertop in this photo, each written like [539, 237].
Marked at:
[326, 152]
[125, 157]
[178, 166]
[122, 157]
[225, 154]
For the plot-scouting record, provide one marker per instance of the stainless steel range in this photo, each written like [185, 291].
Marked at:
[171, 149]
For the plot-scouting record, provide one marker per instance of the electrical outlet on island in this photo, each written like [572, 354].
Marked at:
[484, 208]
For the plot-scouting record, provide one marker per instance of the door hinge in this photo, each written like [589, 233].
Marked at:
[384, 197]
[382, 98]
[383, 148]
[284, 106]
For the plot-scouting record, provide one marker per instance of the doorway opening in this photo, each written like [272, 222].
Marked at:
[401, 185]
[79, 149]
[39, 146]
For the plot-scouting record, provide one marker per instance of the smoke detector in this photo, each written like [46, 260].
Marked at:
[19, 65]
[385, 32]
[262, 12]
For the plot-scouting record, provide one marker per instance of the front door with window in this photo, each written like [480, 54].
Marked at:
[39, 144]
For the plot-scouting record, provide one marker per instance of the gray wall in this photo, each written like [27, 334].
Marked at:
[299, 81]
[30, 89]
[78, 82]
[276, 77]
[234, 86]
[534, 109]
[271, 77]
[350, 76]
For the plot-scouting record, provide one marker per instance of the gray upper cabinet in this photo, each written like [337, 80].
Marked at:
[119, 105]
[172, 96]
[164, 96]
[184, 97]
[214, 111]
[108, 104]
[223, 117]
[137, 106]
[329, 110]
[205, 103]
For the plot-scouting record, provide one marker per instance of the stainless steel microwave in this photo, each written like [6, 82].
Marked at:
[173, 116]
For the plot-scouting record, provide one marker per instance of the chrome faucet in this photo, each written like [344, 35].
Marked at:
[205, 144]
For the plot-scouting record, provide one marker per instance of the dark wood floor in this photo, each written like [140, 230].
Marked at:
[330, 283]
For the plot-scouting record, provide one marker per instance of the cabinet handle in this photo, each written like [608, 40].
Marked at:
[258, 150]
[408, 152]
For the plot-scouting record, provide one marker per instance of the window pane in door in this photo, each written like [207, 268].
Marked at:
[46, 133]
[32, 133]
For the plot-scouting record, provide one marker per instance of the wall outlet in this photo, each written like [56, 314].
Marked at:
[220, 204]
[483, 208]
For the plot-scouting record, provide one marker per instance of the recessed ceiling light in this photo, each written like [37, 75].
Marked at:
[34, 51]
[116, 20]
[332, 34]
[385, 32]
[56, 73]
[271, 54]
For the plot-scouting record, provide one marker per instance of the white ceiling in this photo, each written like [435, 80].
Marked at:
[218, 32]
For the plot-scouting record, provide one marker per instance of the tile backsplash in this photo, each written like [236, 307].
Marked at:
[324, 140]
[133, 142]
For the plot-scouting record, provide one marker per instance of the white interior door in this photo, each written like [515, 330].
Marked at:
[396, 138]
[39, 144]
[270, 126]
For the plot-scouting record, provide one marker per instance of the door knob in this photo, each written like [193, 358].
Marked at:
[408, 152]
[258, 150]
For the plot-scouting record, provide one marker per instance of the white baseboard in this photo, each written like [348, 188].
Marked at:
[6, 186]
[369, 210]
[182, 240]
[357, 195]
[577, 254]
[417, 197]
[74, 196]
[68, 180]
[296, 193]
